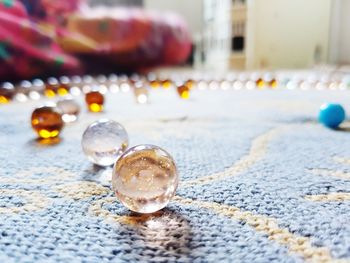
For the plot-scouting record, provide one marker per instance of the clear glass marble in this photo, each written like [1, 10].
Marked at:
[104, 141]
[141, 95]
[145, 178]
[70, 109]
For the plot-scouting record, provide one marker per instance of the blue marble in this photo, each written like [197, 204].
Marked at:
[331, 115]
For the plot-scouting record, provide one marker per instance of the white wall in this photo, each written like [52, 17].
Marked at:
[190, 10]
[287, 33]
[339, 51]
[344, 39]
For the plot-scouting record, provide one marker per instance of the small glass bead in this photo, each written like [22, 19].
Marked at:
[25, 87]
[102, 89]
[135, 77]
[104, 141]
[141, 95]
[145, 178]
[260, 83]
[50, 90]
[214, 85]
[113, 78]
[62, 89]
[38, 83]
[101, 79]
[124, 87]
[189, 83]
[94, 101]
[75, 91]
[47, 121]
[202, 85]
[183, 91]
[7, 91]
[26, 84]
[70, 109]
[88, 79]
[123, 78]
[20, 97]
[250, 85]
[65, 80]
[34, 95]
[225, 85]
[52, 81]
[273, 83]
[154, 84]
[86, 88]
[114, 88]
[166, 84]
[76, 80]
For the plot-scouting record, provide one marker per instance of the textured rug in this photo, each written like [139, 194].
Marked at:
[261, 181]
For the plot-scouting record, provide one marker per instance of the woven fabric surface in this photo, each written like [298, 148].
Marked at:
[261, 181]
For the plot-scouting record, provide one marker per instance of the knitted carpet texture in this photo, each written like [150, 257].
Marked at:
[261, 181]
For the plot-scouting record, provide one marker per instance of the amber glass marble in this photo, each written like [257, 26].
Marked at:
[260, 83]
[154, 84]
[145, 178]
[47, 121]
[183, 91]
[273, 83]
[50, 90]
[189, 83]
[7, 91]
[62, 89]
[94, 101]
[166, 83]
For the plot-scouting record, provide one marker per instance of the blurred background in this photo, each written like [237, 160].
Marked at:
[41, 38]
[265, 34]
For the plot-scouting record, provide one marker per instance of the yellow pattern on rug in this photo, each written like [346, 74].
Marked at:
[33, 201]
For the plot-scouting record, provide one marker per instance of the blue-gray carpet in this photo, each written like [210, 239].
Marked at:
[261, 181]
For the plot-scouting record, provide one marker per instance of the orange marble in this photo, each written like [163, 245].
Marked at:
[189, 83]
[183, 91]
[166, 83]
[260, 83]
[47, 121]
[94, 101]
[273, 83]
[154, 84]
[7, 91]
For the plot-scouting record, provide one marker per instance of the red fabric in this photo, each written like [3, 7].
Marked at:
[47, 38]
[25, 49]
